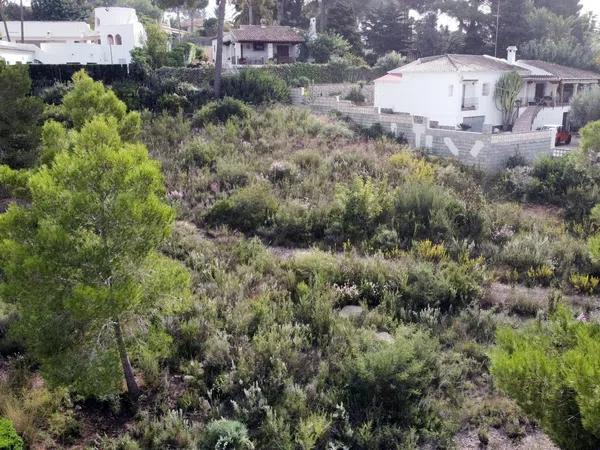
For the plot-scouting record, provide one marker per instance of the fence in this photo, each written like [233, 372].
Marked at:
[489, 152]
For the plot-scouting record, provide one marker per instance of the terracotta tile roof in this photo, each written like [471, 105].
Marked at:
[458, 63]
[258, 33]
[560, 72]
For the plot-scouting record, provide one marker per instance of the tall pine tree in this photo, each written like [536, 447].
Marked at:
[342, 20]
[562, 7]
[387, 26]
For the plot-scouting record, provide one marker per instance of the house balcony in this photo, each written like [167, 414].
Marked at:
[470, 104]
[545, 102]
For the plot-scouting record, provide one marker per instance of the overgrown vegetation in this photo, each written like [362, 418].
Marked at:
[323, 286]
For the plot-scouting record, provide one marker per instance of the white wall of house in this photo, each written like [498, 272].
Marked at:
[233, 52]
[117, 32]
[482, 90]
[439, 96]
[13, 54]
[422, 94]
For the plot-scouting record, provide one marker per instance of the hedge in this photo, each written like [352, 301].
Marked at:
[45, 75]
[323, 73]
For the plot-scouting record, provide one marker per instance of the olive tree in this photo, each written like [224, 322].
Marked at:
[80, 261]
[506, 95]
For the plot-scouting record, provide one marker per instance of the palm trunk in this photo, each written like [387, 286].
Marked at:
[132, 386]
[219, 56]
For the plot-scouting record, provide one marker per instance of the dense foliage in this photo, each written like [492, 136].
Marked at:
[323, 286]
[19, 117]
[552, 370]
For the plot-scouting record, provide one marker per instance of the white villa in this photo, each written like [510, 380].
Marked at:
[457, 89]
[259, 44]
[116, 32]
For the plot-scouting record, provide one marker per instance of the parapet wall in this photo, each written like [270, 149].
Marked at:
[489, 152]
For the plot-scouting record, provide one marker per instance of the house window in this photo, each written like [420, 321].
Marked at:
[450, 90]
[110, 39]
[118, 40]
[485, 89]
[259, 46]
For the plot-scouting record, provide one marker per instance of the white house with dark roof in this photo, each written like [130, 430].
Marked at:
[259, 44]
[116, 32]
[456, 89]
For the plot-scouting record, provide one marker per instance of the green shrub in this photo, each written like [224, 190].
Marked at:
[391, 382]
[551, 370]
[586, 284]
[246, 210]
[429, 251]
[355, 96]
[221, 111]
[390, 61]
[9, 439]
[449, 287]
[424, 211]
[585, 107]
[256, 87]
[311, 431]
[325, 46]
[226, 434]
[334, 72]
[362, 205]
[171, 431]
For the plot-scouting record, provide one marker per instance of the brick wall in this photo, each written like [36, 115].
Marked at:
[489, 152]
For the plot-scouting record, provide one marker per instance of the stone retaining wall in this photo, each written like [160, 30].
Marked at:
[489, 152]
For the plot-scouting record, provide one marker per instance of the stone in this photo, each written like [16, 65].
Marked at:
[384, 336]
[351, 311]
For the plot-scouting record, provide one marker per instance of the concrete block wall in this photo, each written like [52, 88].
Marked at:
[489, 152]
[342, 90]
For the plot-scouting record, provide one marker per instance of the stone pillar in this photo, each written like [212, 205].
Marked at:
[270, 51]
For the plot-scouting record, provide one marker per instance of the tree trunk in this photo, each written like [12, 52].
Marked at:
[280, 12]
[4, 21]
[179, 23]
[219, 56]
[323, 16]
[132, 387]
[250, 13]
[191, 20]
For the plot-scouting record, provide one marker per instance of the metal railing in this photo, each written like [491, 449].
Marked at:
[545, 102]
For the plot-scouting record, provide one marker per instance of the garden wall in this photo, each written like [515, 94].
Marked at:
[341, 90]
[489, 152]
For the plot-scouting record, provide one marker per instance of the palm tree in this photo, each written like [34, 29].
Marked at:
[219, 56]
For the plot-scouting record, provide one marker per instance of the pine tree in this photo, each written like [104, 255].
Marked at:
[388, 27]
[80, 261]
[513, 26]
[343, 21]
[59, 10]
[562, 7]
[19, 117]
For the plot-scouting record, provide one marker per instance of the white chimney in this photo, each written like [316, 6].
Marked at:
[511, 54]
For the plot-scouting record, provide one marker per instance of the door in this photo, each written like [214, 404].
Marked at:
[539, 91]
[283, 53]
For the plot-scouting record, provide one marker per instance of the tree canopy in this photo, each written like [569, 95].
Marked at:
[80, 260]
[19, 117]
